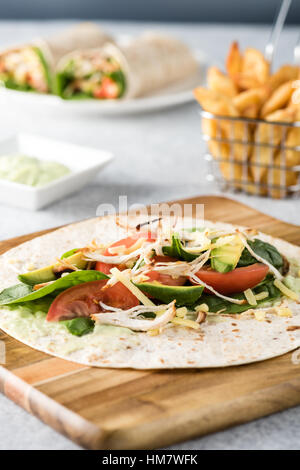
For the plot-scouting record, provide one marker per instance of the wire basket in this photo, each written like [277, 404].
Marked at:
[252, 155]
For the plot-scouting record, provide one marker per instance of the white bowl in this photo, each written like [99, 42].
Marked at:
[84, 163]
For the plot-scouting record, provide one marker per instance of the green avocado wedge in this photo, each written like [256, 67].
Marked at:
[184, 295]
[47, 274]
[225, 257]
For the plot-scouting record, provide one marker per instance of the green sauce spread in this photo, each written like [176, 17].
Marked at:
[30, 170]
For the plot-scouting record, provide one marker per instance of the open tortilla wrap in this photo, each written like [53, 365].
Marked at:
[223, 341]
[147, 63]
[38, 59]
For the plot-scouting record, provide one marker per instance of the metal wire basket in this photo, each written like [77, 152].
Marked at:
[253, 155]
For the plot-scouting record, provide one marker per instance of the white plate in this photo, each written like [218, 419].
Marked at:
[84, 163]
[172, 96]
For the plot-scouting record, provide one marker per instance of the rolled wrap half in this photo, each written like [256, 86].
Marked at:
[31, 67]
[146, 64]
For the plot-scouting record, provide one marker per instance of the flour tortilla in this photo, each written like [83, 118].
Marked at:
[150, 62]
[83, 35]
[234, 340]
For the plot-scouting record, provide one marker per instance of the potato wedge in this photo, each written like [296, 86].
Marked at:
[248, 102]
[269, 134]
[282, 75]
[279, 98]
[255, 66]
[211, 128]
[219, 82]
[293, 140]
[215, 102]
[234, 61]
[280, 177]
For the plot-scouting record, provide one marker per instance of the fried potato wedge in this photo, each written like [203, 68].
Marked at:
[292, 157]
[218, 149]
[234, 61]
[280, 178]
[255, 66]
[272, 135]
[279, 98]
[219, 82]
[249, 102]
[215, 102]
[283, 74]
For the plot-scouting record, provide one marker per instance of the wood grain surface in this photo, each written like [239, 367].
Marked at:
[128, 409]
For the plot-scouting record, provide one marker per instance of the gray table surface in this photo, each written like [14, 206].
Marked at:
[159, 156]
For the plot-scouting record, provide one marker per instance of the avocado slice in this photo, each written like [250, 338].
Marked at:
[48, 273]
[184, 295]
[225, 257]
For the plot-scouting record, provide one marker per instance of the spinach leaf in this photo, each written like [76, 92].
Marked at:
[216, 303]
[263, 249]
[62, 80]
[80, 326]
[11, 84]
[25, 293]
[176, 250]
[119, 77]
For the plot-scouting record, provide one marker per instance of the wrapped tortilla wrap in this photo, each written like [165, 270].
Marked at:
[146, 64]
[30, 67]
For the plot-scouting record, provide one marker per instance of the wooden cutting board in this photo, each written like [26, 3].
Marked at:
[129, 409]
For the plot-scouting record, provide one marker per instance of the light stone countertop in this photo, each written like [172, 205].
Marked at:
[159, 157]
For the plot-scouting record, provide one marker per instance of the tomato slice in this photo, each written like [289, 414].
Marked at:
[166, 279]
[83, 300]
[127, 242]
[108, 89]
[234, 281]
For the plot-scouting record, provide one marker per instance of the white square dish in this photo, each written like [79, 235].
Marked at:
[84, 163]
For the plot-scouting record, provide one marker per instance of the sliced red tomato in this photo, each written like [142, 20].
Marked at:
[83, 300]
[166, 279]
[108, 89]
[127, 242]
[234, 281]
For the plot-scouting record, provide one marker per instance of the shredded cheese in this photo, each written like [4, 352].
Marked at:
[262, 295]
[284, 312]
[181, 312]
[153, 332]
[260, 315]
[285, 290]
[133, 289]
[251, 299]
[202, 308]
[185, 322]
